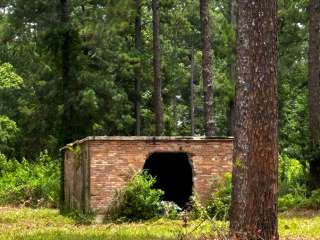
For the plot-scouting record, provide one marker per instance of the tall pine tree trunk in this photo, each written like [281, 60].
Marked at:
[230, 110]
[254, 201]
[66, 71]
[67, 130]
[158, 105]
[192, 92]
[314, 91]
[138, 45]
[206, 69]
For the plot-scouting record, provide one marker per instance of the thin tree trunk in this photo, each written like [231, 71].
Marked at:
[230, 112]
[233, 13]
[314, 90]
[254, 201]
[66, 70]
[231, 117]
[138, 45]
[206, 69]
[66, 82]
[192, 92]
[158, 105]
[175, 112]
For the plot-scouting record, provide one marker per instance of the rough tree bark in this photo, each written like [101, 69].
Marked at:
[192, 92]
[314, 91]
[206, 69]
[158, 105]
[138, 46]
[254, 201]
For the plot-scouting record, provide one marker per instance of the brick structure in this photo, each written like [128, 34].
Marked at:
[96, 166]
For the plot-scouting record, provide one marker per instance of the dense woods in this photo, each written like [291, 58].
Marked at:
[71, 69]
[89, 68]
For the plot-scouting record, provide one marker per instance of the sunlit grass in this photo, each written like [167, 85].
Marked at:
[300, 225]
[47, 224]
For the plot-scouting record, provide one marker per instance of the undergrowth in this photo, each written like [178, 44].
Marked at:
[33, 184]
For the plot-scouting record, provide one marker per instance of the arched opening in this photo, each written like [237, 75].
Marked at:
[174, 175]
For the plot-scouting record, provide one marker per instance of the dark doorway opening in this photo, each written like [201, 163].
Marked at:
[174, 175]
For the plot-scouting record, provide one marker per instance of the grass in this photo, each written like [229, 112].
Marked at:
[47, 224]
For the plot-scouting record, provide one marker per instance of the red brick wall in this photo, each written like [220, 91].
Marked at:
[110, 160]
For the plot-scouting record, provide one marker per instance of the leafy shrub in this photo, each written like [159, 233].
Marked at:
[218, 206]
[196, 209]
[137, 201]
[289, 201]
[292, 183]
[292, 177]
[170, 209]
[313, 202]
[31, 184]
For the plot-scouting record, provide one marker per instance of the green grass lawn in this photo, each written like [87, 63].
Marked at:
[47, 224]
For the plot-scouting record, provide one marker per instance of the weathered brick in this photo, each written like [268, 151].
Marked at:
[92, 177]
